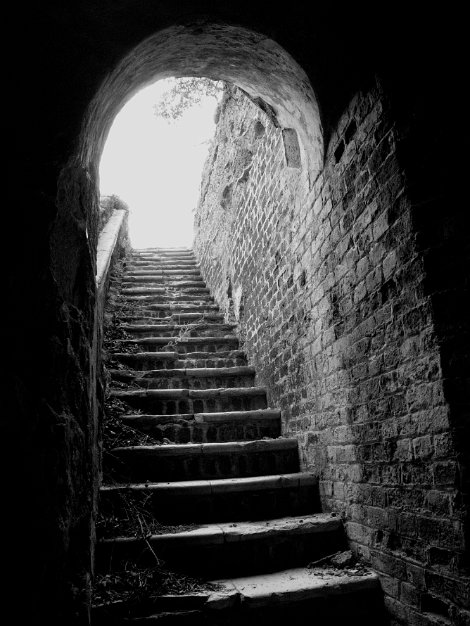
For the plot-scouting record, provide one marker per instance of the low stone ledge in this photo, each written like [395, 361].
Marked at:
[115, 228]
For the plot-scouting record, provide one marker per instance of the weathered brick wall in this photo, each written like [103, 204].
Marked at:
[329, 287]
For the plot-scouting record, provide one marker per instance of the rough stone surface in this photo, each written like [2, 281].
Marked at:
[331, 290]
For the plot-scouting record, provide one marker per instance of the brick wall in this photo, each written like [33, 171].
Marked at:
[329, 284]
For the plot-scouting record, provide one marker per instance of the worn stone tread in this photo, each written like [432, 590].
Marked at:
[207, 427]
[178, 340]
[230, 548]
[163, 264]
[172, 355]
[285, 587]
[167, 327]
[173, 319]
[223, 485]
[242, 370]
[162, 274]
[228, 447]
[140, 419]
[189, 393]
[185, 289]
[185, 298]
[184, 308]
[146, 275]
[240, 532]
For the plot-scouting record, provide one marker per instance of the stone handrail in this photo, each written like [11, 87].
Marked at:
[107, 240]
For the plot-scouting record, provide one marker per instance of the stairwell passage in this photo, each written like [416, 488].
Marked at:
[224, 491]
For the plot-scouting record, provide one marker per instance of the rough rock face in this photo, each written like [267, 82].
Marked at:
[333, 297]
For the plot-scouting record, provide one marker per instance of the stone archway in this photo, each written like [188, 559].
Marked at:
[253, 62]
[52, 278]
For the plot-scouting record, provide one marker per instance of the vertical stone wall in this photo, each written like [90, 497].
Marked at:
[330, 287]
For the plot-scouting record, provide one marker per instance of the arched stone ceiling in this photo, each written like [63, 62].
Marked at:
[234, 54]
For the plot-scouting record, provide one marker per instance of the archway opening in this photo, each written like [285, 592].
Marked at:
[249, 60]
[154, 156]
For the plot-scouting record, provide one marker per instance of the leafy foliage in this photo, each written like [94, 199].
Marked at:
[185, 93]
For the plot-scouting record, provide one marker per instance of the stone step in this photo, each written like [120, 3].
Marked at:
[167, 286]
[164, 309]
[159, 312]
[178, 319]
[162, 252]
[164, 249]
[169, 290]
[181, 319]
[190, 378]
[177, 330]
[175, 259]
[208, 427]
[204, 461]
[173, 274]
[162, 262]
[181, 265]
[146, 361]
[167, 280]
[227, 499]
[291, 596]
[182, 345]
[284, 597]
[172, 401]
[229, 549]
[187, 299]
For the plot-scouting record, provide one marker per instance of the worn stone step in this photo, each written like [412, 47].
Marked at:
[169, 286]
[293, 595]
[162, 251]
[169, 290]
[173, 360]
[159, 312]
[228, 499]
[208, 427]
[155, 254]
[190, 378]
[182, 345]
[174, 274]
[162, 280]
[171, 401]
[279, 598]
[231, 549]
[161, 260]
[188, 297]
[181, 265]
[162, 264]
[120, 379]
[178, 319]
[204, 461]
[168, 308]
[175, 300]
[179, 330]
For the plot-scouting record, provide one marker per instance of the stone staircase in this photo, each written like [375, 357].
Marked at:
[232, 503]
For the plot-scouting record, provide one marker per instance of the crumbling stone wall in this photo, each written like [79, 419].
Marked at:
[331, 289]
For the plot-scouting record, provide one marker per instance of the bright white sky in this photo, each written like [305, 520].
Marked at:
[155, 166]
